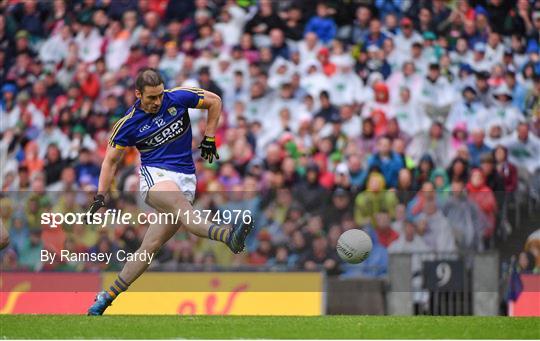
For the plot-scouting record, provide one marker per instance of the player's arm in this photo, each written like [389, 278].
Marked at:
[120, 138]
[212, 103]
[202, 99]
[113, 156]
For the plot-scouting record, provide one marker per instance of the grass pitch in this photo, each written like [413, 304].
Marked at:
[267, 327]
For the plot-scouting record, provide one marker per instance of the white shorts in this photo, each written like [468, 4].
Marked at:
[149, 176]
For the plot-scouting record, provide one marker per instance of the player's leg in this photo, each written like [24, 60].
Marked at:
[4, 236]
[167, 197]
[154, 238]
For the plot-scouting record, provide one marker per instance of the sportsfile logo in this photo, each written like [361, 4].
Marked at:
[119, 217]
[109, 217]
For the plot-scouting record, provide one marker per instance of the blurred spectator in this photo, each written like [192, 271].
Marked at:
[327, 109]
[51, 135]
[532, 245]
[26, 112]
[468, 111]
[532, 98]
[409, 241]
[31, 160]
[406, 36]
[458, 170]
[526, 263]
[483, 196]
[384, 230]
[405, 186]
[436, 93]
[54, 164]
[356, 172]
[409, 114]
[435, 229]
[460, 136]
[425, 193]
[523, 148]
[493, 179]
[477, 147]
[506, 170]
[116, 45]
[482, 88]
[435, 142]
[465, 218]
[278, 45]
[366, 142]
[264, 250]
[309, 47]
[373, 200]
[30, 252]
[379, 109]
[298, 246]
[345, 85]
[264, 20]
[67, 181]
[422, 172]
[517, 90]
[503, 109]
[339, 207]
[19, 233]
[351, 123]
[87, 168]
[321, 24]
[386, 161]
[88, 41]
[282, 258]
[310, 192]
[231, 24]
[439, 178]
[320, 255]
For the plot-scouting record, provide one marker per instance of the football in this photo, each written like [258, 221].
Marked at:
[354, 246]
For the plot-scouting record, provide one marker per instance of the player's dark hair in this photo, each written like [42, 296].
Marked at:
[148, 77]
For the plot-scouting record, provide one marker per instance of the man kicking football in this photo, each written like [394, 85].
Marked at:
[158, 125]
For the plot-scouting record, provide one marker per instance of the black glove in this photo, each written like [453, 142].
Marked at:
[208, 149]
[99, 202]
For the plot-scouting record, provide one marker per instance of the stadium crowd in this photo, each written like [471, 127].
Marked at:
[415, 120]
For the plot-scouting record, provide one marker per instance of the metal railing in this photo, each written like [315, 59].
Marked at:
[443, 284]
